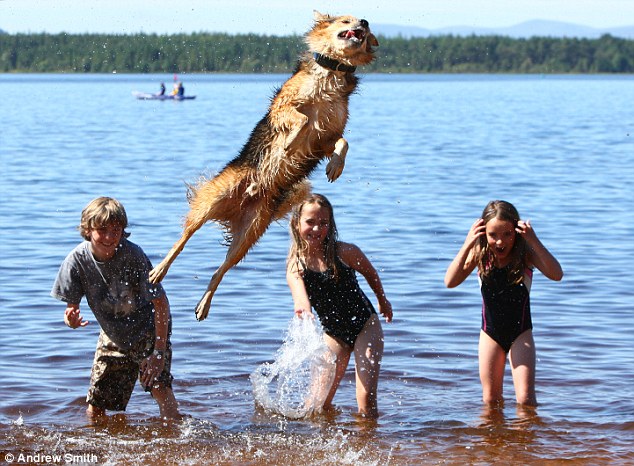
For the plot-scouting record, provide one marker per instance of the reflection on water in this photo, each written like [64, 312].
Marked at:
[497, 431]
[426, 154]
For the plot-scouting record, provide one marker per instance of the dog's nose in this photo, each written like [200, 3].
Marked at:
[364, 23]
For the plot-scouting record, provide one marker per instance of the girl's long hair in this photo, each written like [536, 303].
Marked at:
[503, 210]
[298, 247]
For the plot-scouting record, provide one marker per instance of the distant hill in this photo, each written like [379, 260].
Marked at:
[527, 29]
[535, 28]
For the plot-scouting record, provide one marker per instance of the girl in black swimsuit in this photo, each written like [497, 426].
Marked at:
[321, 273]
[504, 249]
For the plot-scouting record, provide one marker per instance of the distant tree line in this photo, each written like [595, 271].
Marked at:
[251, 53]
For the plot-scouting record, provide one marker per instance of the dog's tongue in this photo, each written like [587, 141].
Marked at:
[350, 34]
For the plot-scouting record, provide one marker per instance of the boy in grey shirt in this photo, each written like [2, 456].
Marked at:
[134, 315]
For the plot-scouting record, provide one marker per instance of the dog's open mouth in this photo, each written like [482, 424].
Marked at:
[355, 35]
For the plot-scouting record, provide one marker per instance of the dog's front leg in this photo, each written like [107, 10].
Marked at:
[334, 169]
[299, 123]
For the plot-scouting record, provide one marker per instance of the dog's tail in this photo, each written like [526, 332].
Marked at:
[217, 199]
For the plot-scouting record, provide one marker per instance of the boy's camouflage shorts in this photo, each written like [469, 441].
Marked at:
[115, 371]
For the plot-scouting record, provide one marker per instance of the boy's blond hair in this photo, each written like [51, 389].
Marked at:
[101, 212]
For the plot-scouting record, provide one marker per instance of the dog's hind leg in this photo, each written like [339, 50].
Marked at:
[252, 225]
[191, 226]
[208, 201]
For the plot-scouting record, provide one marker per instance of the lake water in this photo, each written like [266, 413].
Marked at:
[426, 154]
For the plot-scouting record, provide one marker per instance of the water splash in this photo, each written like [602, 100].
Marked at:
[297, 382]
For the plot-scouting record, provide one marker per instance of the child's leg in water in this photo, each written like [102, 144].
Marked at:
[492, 361]
[368, 353]
[342, 354]
[522, 357]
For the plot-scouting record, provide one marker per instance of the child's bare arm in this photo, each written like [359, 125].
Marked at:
[73, 318]
[301, 303]
[538, 255]
[161, 322]
[464, 263]
[355, 258]
[153, 365]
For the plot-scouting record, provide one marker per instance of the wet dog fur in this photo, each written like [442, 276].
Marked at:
[304, 125]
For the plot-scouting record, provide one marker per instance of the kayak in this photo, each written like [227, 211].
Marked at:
[146, 96]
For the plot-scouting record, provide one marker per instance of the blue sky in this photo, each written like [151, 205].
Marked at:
[277, 17]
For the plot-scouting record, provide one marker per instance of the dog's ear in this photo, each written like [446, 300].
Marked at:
[317, 16]
[371, 41]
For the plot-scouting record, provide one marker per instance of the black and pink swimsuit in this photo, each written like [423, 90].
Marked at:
[506, 307]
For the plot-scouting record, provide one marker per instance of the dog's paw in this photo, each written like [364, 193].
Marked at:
[156, 275]
[334, 169]
[202, 309]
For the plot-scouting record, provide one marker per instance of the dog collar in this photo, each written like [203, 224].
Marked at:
[333, 65]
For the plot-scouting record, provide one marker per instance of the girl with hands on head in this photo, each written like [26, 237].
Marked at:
[505, 250]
